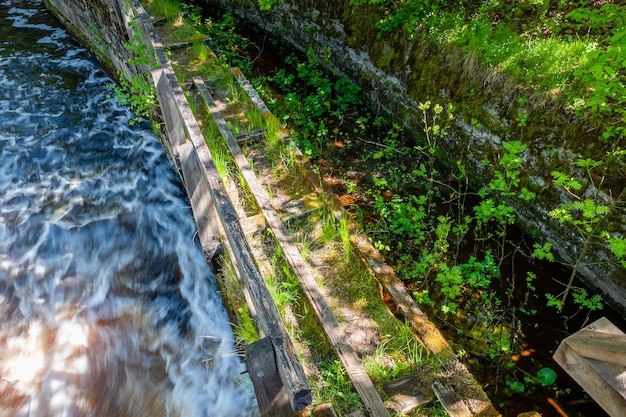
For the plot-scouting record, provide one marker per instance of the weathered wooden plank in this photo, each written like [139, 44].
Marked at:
[606, 347]
[270, 393]
[169, 110]
[604, 382]
[267, 317]
[451, 402]
[199, 196]
[245, 136]
[406, 394]
[258, 102]
[351, 362]
[613, 374]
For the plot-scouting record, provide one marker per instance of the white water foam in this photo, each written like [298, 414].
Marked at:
[108, 306]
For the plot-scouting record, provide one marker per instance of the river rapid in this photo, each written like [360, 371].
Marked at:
[107, 306]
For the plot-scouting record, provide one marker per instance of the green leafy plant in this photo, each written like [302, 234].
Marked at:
[137, 91]
[585, 214]
[267, 4]
[339, 390]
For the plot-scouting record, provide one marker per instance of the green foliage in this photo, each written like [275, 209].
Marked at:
[543, 251]
[229, 46]
[313, 97]
[245, 332]
[338, 387]
[404, 216]
[464, 279]
[618, 247]
[587, 216]
[604, 75]
[267, 4]
[170, 10]
[137, 91]
[574, 49]
[544, 377]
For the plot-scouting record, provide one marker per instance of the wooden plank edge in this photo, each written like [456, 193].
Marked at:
[588, 378]
[271, 395]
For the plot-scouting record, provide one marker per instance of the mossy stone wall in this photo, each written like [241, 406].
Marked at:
[95, 23]
[399, 71]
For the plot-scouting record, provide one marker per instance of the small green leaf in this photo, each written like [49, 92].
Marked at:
[517, 386]
[546, 376]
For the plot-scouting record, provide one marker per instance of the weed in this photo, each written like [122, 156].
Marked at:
[338, 387]
[245, 332]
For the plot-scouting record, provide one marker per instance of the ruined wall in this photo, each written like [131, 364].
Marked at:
[399, 70]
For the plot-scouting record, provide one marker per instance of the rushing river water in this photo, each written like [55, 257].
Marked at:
[107, 307]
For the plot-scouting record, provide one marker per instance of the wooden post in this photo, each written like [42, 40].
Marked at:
[595, 358]
[271, 395]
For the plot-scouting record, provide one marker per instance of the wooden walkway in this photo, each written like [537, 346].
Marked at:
[209, 201]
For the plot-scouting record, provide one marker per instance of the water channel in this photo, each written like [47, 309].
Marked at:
[107, 304]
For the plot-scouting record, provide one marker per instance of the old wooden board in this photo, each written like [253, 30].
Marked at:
[607, 347]
[604, 380]
[267, 318]
[406, 394]
[169, 110]
[199, 195]
[270, 393]
[258, 102]
[351, 362]
[453, 404]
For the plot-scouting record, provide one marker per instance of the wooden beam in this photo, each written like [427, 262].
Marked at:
[258, 102]
[173, 121]
[605, 382]
[453, 404]
[271, 395]
[338, 339]
[199, 195]
[606, 347]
